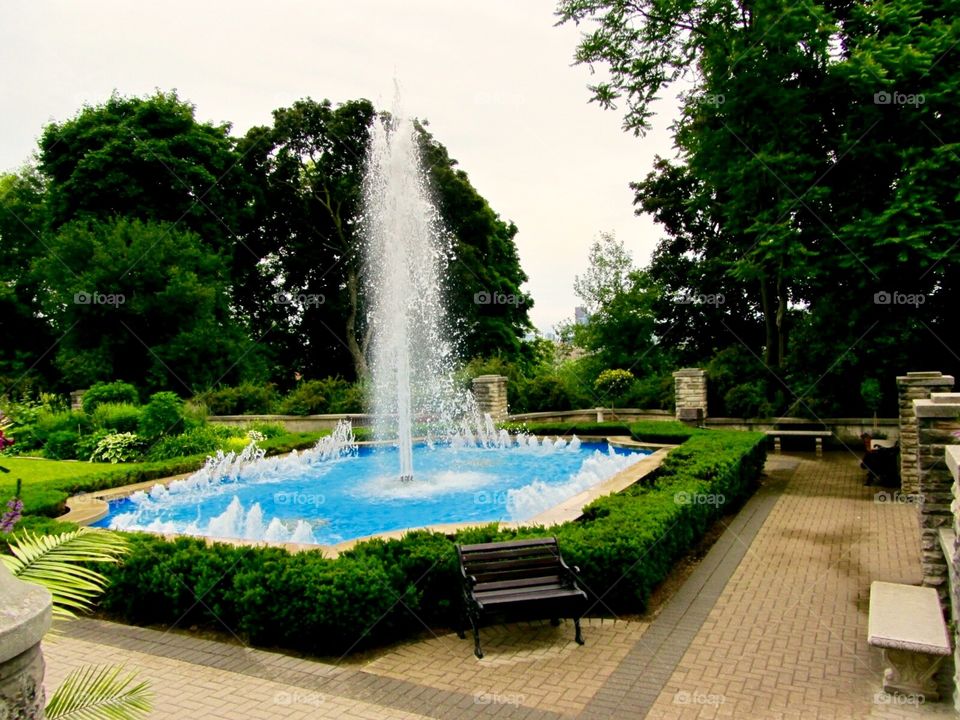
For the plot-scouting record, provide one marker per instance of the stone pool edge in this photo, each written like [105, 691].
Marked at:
[87, 508]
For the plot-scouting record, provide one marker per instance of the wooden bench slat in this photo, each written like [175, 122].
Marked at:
[508, 544]
[519, 590]
[521, 597]
[538, 552]
[517, 582]
[523, 563]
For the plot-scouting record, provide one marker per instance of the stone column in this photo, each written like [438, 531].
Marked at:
[910, 387]
[690, 389]
[24, 618]
[937, 418]
[76, 399]
[491, 394]
[952, 554]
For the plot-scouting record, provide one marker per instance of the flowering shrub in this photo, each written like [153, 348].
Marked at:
[117, 448]
[13, 512]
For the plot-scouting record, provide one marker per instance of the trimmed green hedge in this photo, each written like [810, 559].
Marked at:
[625, 545]
[669, 432]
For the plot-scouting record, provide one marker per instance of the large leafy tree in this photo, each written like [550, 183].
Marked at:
[25, 338]
[804, 182]
[142, 301]
[306, 230]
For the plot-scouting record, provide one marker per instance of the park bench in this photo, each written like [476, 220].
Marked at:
[906, 622]
[818, 435]
[522, 579]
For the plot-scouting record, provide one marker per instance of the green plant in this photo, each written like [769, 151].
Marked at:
[117, 448]
[92, 692]
[112, 392]
[192, 442]
[118, 417]
[162, 416]
[613, 384]
[748, 400]
[244, 399]
[61, 445]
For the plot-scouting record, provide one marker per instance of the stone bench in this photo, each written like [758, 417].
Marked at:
[818, 435]
[906, 622]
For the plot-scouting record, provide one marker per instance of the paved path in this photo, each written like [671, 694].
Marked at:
[771, 624]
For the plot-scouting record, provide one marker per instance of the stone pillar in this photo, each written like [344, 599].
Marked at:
[910, 387]
[690, 389]
[952, 554]
[936, 418]
[24, 618]
[491, 394]
[76, 399]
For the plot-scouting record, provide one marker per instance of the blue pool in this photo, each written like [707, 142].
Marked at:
[328, 499]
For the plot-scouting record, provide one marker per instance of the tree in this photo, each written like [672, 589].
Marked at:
[142, 301]
[27, 338]
[608, 265]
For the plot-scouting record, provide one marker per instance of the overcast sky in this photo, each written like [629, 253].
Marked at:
[494, 79]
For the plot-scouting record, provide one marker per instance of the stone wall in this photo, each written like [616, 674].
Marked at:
[910, 387]
[951, 549]
[690, 390]
[491, 394]
[937, 418]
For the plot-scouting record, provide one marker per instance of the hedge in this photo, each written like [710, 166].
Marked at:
[382, 591]
[669, 432]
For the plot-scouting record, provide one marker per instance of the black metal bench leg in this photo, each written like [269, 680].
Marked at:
[576, 624]
[459, 628]
[476, 641]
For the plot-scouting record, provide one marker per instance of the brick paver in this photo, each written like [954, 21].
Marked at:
[771, 624]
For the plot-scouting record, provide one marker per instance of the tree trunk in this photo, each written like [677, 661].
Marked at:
[770, 306]
[359, 361]
[781, 320]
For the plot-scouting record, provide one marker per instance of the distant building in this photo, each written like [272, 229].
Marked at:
[580, 315]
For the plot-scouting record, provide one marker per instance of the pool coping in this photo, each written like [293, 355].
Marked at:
[87, 508]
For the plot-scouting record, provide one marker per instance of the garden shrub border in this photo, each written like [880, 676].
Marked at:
[385, 590]
[667, 432]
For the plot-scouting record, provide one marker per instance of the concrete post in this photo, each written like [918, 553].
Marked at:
[24, 618]
[910, 387]
[491, 394]
[690, 389]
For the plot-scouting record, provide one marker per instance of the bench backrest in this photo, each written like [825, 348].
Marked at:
[512, 560]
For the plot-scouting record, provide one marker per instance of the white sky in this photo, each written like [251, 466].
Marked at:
[494, 79]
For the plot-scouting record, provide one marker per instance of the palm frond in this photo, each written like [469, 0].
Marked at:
[51, 561]
[92, 692]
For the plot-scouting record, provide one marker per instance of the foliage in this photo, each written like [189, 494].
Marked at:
[162, 416]
[61, 445]
[92, 692]
[56, 562]
[317, 397]
[568, 428]
[14, 511]
[668, 432]
[194, 441]
[117, 448]
[109, 392]
[117, 416]
[613, 383]
[244, 399]
[608, 266]
[383, 590]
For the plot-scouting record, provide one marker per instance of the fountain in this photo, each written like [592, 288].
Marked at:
[468, 470]
[405, 259]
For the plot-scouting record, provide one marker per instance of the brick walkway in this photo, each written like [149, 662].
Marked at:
[771, 624]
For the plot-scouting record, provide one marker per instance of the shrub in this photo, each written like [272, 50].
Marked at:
[317, 397]
[569, 428]
[118, 417]
[113, 392]
[195, 441]
[625, 543]
[61, 445]
[547, 392]
[163, 415]
[613, 384]
[747, 400]
[668, 432]
[244, 399]
[117, 448]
